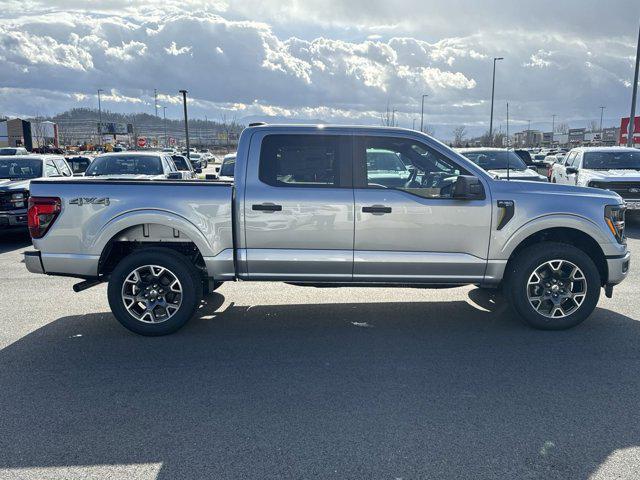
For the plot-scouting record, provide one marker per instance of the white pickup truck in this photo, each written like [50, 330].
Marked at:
[320, 205]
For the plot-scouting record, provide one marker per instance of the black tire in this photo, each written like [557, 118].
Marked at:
[517, 288]
[178, 266]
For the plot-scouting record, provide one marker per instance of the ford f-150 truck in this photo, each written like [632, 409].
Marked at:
[306, 208]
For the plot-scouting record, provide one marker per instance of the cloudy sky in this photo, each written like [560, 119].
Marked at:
[333, 60]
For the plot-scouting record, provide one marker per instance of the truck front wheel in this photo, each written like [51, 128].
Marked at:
[552, 286]
[154, 291]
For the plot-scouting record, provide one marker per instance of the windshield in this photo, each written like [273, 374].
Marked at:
[125, 165]
[78, 164]
[20, 169]
[195, 156]
[383, 160]
[181, 162]
[496, 159]
[8, 151]
[612, 160]
[228, 165]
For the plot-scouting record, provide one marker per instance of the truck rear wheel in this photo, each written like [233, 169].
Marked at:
[552, 286]
[154, 291]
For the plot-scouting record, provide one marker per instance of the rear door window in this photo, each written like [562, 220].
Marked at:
[314, 161]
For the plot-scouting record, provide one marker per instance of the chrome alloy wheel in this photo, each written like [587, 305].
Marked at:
[152, 294]
[556, 288]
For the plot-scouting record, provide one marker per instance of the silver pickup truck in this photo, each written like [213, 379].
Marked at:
[309, 206]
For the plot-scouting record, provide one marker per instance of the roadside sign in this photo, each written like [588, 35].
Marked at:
[142, 141]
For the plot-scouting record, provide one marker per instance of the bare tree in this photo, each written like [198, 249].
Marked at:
[459, 134]
[562, 128]
[594, 126]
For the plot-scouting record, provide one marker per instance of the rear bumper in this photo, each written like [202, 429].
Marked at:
[13, 219]
[618, 268]
[33, 261]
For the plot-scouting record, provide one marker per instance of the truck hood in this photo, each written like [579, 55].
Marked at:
[527, 174]
[613, 175]
[546, 188]
[7, 185]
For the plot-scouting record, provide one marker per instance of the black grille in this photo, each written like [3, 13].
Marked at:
[625, 190]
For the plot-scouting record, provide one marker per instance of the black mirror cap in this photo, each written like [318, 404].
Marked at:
[468, 187]
[198, 170]
[571, 170]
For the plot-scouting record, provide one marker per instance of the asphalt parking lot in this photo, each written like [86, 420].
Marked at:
[276, 381]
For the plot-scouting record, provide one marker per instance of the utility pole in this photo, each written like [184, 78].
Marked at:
[164, 115]
[553, 124]
[155, 100]
[99, 117]
[634, 98]
[422, 114]
[508, 125]
[601, 114]
[493, 91]
[186, 122]
[529, 142]
[413, 126]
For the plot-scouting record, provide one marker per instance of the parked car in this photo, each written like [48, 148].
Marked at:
[304, 209]
[184, 165]
[502, 163]
[16, 173]
[612, 168]
[79, 164]
[197, 160]
[13, 151]
[140, 165]
[227, 168]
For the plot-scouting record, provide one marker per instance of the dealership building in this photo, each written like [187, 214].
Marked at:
[16, 132]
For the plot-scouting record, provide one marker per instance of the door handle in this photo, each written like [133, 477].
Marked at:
[377, 209]
[267, 207]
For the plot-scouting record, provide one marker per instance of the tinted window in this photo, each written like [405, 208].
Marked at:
[228, 166]
[78, 164]
[302, 160]
[407, 165]
[496, 159]
[612, 160]
[8, 151]
[19, 169]
[125, 165]
[180, 162]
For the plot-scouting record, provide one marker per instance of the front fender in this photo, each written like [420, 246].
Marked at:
[575, 222]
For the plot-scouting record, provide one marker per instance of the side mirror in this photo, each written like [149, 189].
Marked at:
[468, 187]
[572, 170]
[198, 170]
[210, 176]
[174, 176]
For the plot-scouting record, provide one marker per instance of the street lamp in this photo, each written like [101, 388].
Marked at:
[493, 90]
[186, 122]
[634, 98]
[422, 114]
[601, 114]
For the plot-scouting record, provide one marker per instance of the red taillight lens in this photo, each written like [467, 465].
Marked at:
[41, 214]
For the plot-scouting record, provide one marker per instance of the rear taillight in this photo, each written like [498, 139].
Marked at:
[41, 214]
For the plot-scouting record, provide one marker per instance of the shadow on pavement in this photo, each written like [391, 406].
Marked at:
[384, 390]
[14, 240]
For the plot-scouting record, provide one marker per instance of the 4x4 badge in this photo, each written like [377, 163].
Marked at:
[90, 201]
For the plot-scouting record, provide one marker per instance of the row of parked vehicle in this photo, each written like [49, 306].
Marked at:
[18, 168]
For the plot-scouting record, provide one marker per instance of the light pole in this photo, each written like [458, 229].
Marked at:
[529, 142]
[553, 128]
[493, 91]
[422, 113]
[601, 114]
[186, 122]
[508, 125]
[413, 125]
[634, 98]
[100, 116]
[164, 115]
[155, 100]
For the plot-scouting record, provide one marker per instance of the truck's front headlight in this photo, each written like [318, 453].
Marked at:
[19, 199]
[614, 218]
